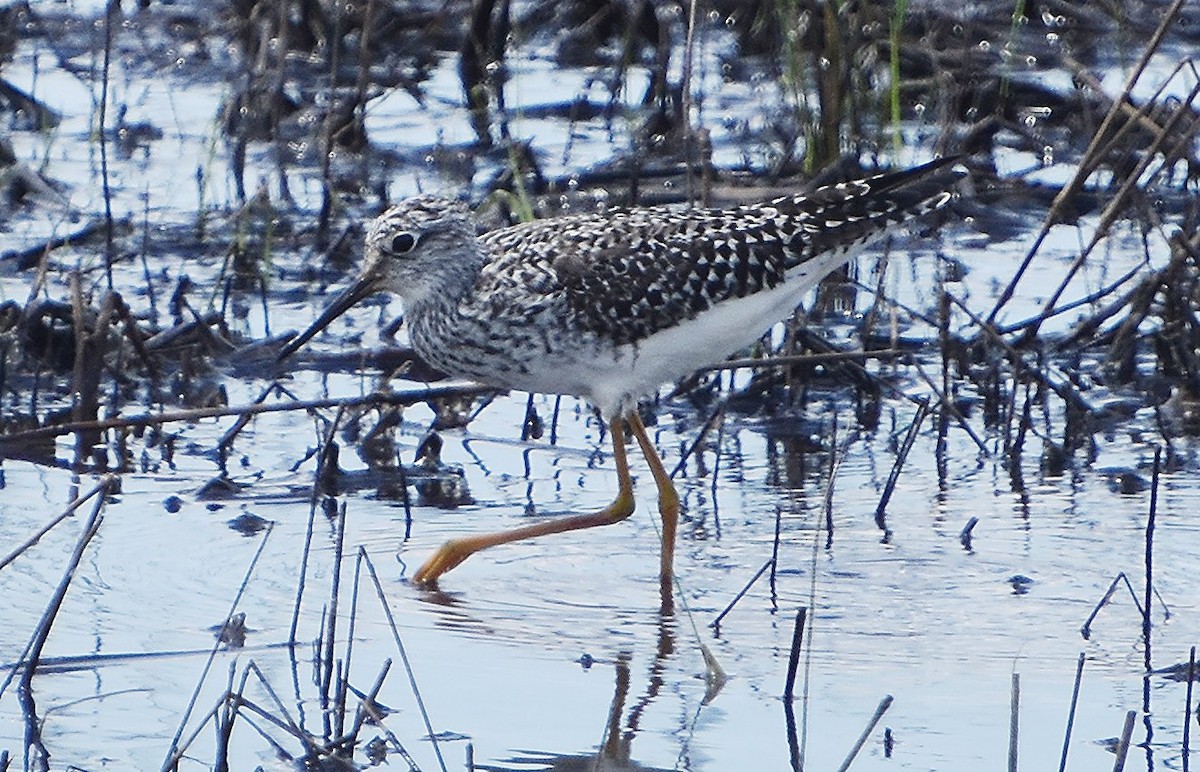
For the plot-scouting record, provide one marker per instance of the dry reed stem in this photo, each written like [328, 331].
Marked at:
[789, 683]
[1062, 764]
[1014, 721]
[1123, 742]
[1090, 157]
[884, 704]
[104, 486]
[901, 456]
[1149, 560]
[716, 623]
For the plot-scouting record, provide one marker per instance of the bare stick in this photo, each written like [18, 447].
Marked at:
[1086, 630]
[1187, 708]
[105, 483]
[901, 456]
[33, 650]
[884, 704]
[341, 705]
[948, 407]
[1147, 604]
[360, 715]
[717, 622]
[339, 542]
[211, 715]
[322, 460]
[794, 655]
[1123, 743]
[292, 727]
[709, 423]
[1062, 764]
[1014, 722]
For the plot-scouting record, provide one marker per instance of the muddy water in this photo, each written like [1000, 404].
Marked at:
[532, 654]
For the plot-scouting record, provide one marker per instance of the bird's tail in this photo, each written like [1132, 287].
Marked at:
[844, 217]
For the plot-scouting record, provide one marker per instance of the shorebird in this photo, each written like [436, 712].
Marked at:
[609, 307]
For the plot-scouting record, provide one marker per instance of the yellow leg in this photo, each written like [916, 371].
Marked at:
[456, 551]
[668, 499]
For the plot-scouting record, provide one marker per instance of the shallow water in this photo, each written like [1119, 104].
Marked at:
[527, 649]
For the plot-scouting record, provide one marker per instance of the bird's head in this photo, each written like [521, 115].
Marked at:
[421, 248]
[419, 244]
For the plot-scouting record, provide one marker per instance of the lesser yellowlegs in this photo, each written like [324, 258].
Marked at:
[611, 306]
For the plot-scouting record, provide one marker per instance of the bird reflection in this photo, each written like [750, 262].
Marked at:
[616, 750]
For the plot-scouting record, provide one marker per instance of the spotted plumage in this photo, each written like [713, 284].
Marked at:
[610, 306]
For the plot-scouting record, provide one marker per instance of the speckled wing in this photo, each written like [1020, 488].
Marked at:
[631, 273]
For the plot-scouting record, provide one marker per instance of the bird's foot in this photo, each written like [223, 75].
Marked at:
[448, 556]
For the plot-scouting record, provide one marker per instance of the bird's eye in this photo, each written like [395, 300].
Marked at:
[403, 242]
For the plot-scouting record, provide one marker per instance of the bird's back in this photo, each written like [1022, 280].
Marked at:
[629, 273]
[610, 306]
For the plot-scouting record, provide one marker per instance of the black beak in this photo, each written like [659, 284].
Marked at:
[366, 286]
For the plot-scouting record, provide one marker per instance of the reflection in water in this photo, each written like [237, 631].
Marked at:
[616, 749]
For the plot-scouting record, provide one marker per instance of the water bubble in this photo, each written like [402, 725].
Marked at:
[919, 108]
[985, 45]
[1031, 120]
[1031, 60]
[1047, 156]
[1052, 38]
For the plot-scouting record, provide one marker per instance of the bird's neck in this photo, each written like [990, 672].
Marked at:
[441, 288]
[433, 306]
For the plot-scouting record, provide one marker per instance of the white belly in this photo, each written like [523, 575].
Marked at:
[614, 383]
